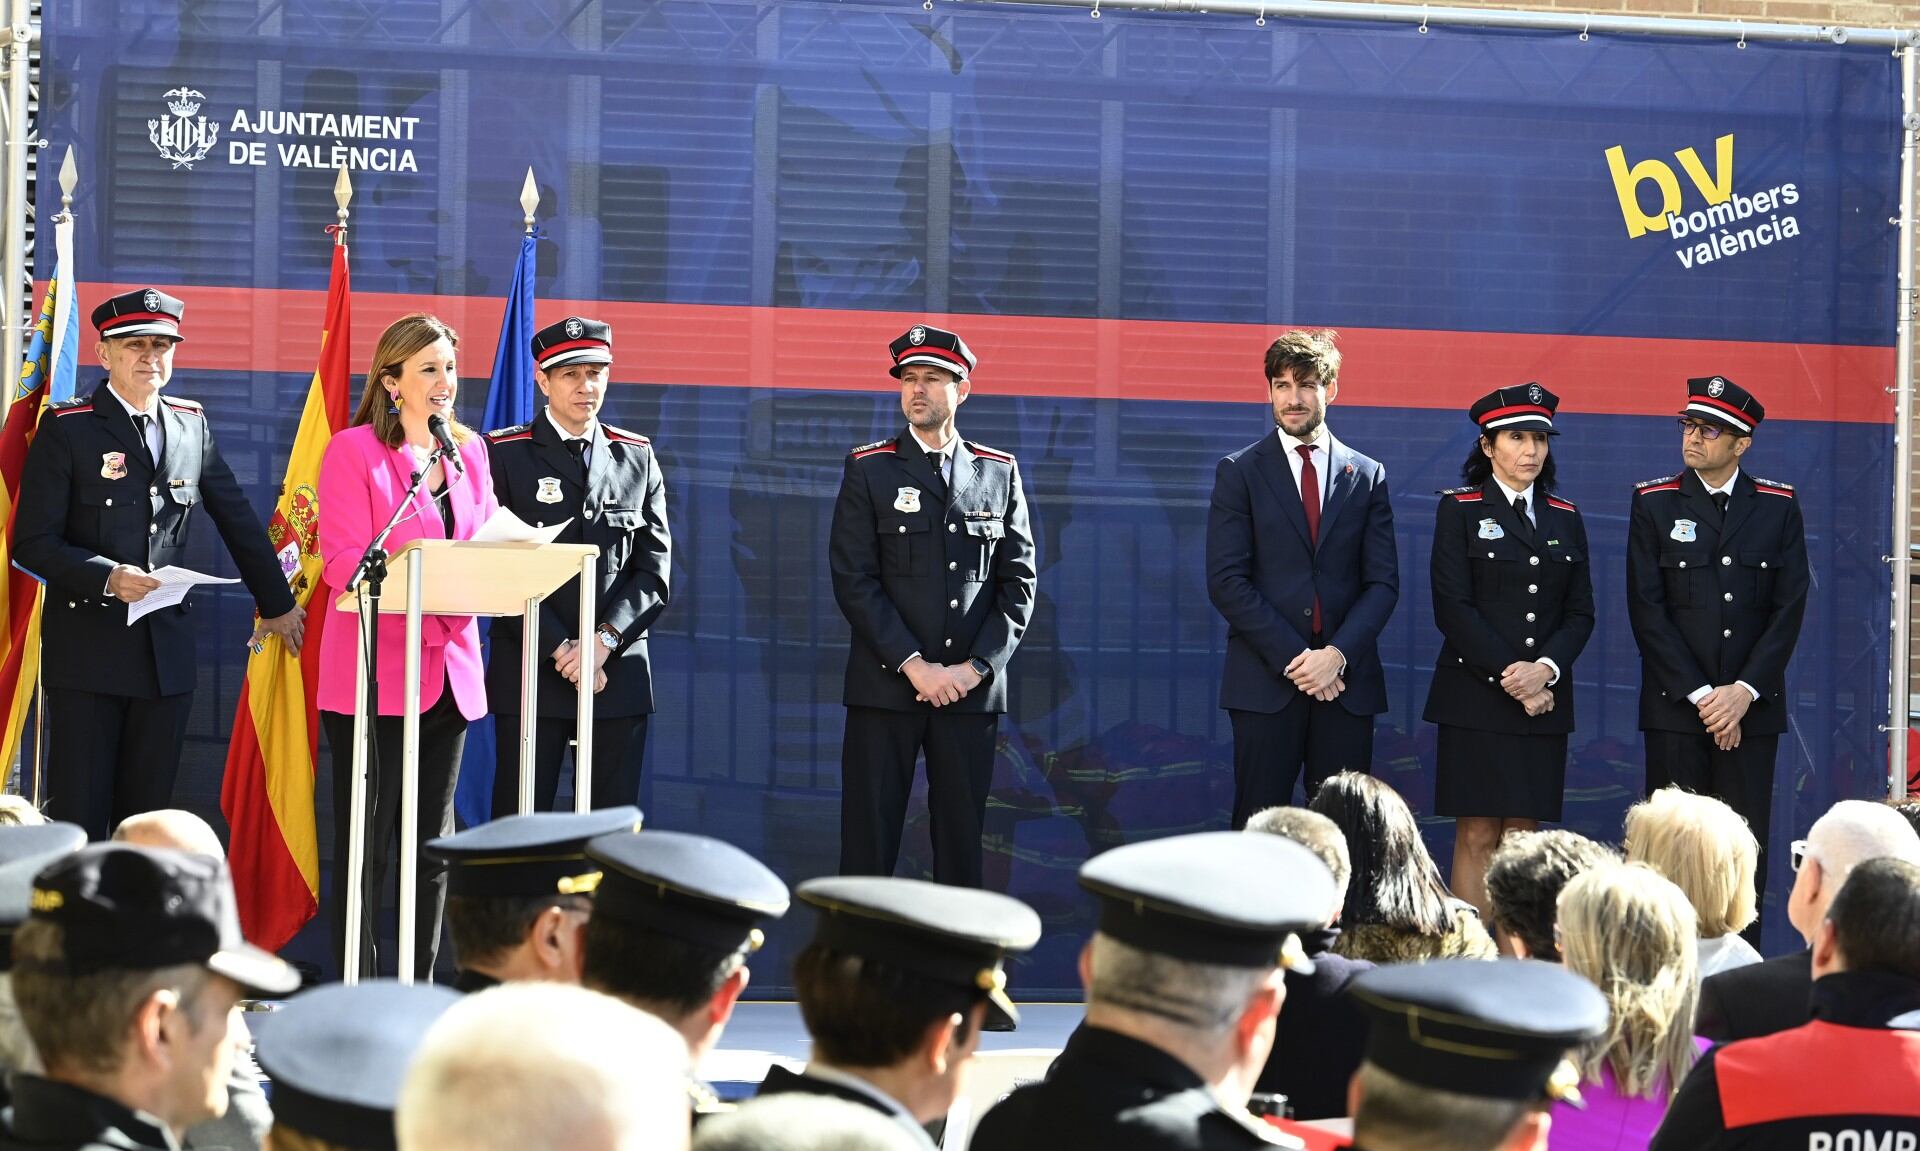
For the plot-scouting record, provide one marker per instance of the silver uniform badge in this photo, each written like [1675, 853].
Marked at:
[113, 465]
[908, 500]
[1490, 529]
[1683, 530]
[549, 492]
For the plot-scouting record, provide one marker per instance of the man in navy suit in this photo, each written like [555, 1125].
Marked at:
[1301, 562]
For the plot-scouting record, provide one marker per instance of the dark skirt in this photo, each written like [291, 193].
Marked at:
[1497, 775]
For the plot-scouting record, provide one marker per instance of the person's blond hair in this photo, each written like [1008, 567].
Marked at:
[1630, 932]
[19, 811]
[1705, 848]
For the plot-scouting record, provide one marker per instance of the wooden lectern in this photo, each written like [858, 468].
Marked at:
[460, 577]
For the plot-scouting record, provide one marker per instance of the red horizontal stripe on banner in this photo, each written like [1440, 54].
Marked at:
[813, 349]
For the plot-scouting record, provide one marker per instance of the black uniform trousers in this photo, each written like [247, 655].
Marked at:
[443, 733]
[112, 756]
[876, 775]
[1743, 778]
[1270, 748]
[619, 748]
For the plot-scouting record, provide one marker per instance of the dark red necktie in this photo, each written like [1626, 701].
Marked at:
[1310, 503]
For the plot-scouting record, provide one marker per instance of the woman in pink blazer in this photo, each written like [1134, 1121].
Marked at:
[363, 476]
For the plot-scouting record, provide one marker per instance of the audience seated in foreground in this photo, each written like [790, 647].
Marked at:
[1397, 910]
[797, 1122]
[1524, 880]
[1322, 1032]
[1772, 995]
[1709, 852]
[1848, 1078]
[1630, 932]
[546, 1065]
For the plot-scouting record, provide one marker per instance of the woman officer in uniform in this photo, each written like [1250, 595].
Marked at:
[1514, 604]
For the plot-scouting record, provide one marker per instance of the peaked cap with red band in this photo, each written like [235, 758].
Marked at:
[1520, 408]
[574, 340]
[141, 312]
[1718, 400]
[934, 346]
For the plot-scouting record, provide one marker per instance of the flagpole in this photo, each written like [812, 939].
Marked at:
[530, 621]
[69, 179]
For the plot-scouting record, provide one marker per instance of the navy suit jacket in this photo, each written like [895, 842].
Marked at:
[1262, 573]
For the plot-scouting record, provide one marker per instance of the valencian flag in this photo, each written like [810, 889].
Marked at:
[509, 403]
[268, 794]
[51, 349]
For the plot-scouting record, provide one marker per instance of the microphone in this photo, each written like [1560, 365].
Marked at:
[442, 434]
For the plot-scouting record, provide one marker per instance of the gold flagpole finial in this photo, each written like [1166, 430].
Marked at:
[342, 196]
[529, 199]
[69, 180]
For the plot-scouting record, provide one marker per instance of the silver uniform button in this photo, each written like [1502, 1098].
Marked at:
[1489, 679]
[1529, 641]
[1534, 560]
[1725, 560]
[1489, 555]
[903, 529]
[153, 529]
[1533, 589]
[953, 603]
[953, 527]
[153, 491]
[1726, 633]
[948, 643]
[1728, 597]
[589, 513]
[953, 565]
[1529, 617]
[70, 603]
[1683, 563]
[1763, 563]
[1307, 611]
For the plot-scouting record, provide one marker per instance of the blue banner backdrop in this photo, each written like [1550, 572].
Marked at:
[1471, 203]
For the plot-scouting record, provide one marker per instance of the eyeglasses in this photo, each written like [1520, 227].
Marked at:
[1707, 431]
[1797, 853]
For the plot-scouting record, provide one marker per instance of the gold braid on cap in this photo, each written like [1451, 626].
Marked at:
[580, 884]
[1292, 955]
[1564, 1084]
[991, 979]
[756, 939]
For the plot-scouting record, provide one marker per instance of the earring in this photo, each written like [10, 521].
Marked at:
[393, 407]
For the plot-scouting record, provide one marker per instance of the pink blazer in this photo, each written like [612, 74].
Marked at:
[361, 482]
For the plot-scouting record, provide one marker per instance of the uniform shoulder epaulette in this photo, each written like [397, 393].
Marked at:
[499, 434]
[986, 452]
[1658, 484]
[873, 449]
[182, 404]
[1465, 495]
[70, 405]
[1563, 505]
[623, 436]
[1773, 487]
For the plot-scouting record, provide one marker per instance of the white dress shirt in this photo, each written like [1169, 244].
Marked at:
[155, 445]
[1321, 441]
[946, 455]
[586, 457]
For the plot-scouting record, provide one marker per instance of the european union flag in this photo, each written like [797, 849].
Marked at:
[509, 402]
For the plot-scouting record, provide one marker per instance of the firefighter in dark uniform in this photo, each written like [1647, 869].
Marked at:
[1185, 980]
[1513, 599]
[569, 465]
[108, 494]
[1491, 1045]
[933, 566]
[1716, 588]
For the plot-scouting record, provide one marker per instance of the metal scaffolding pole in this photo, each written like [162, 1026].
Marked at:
[13, 247]
[1425, 15]
[1899, 703]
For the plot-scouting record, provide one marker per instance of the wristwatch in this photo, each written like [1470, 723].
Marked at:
[608, 636]
[981, 667]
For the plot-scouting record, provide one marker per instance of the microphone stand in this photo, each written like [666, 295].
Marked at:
[369, 577]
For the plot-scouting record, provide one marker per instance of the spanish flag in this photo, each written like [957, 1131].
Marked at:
[51, 348]
[268, 793]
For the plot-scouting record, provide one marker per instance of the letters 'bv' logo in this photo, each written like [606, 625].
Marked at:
[183, 137]
[1716, 188]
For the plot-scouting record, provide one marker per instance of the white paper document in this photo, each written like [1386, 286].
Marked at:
[175, 583]
[503, 527]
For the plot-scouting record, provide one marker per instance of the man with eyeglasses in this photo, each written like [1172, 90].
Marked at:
[1774, 995]
[1716, 588]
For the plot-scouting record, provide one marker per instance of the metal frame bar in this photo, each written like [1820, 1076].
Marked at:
[1424, 15]
[1899, 703]
[529, 698]
[14, 303]
[365, 620]
[583, 710]
[410, 771]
